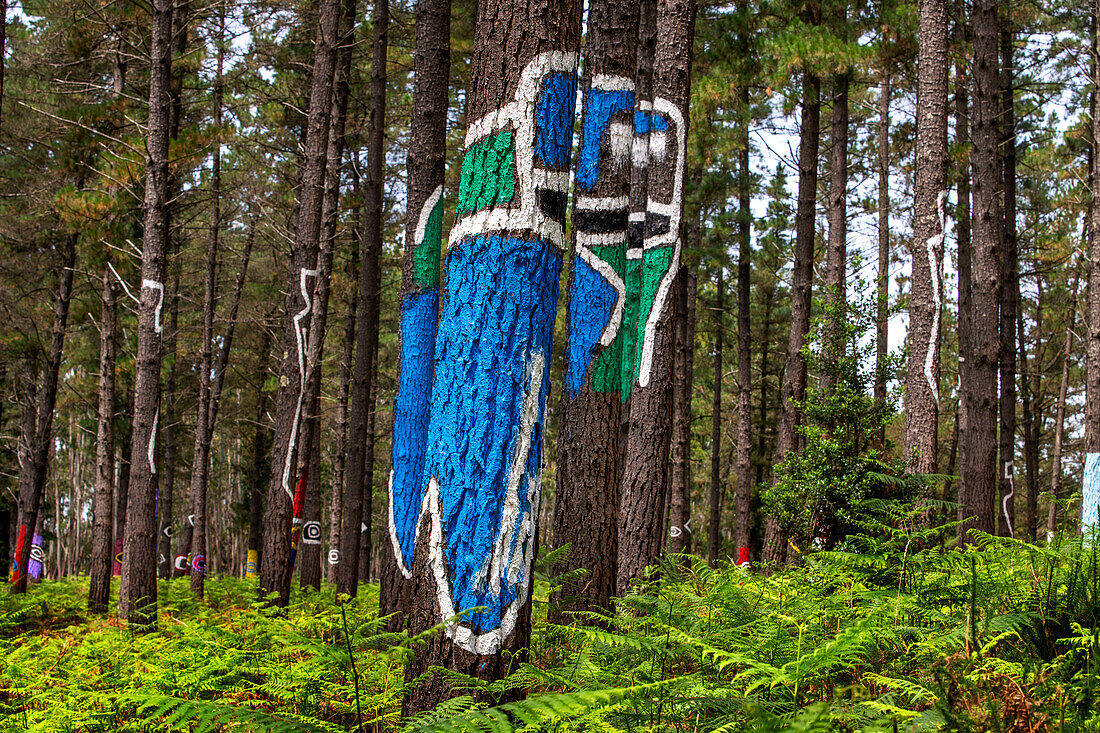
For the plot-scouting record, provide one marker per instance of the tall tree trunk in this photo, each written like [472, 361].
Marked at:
[122, 493]
[260, 468]
[484, 451]
[882, 323]
[836, 248]
[679, 531]
[922, 380]
[275, 565]
[204, 430]
[1031, 403]
[714, 532]
[645, 470]
[339, 453]
[793, 387]
[426, 163]
[359, 480]
[586, 508]
[1060, 416]
[1092, 343]
[962, 192]
[32, 490]
[1010, 293]
[99, 571]
[978, 479]
[165, 494]
[742, 521]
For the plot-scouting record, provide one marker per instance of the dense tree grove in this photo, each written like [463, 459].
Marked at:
[411, 292]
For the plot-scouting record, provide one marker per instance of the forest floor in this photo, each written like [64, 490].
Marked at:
[896, 634]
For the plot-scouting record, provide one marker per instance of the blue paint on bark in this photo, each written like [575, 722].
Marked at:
[554, 121]
[412, 409]
[646, 122]
[601, 105]
[497, 322]
[591, 301]
[1090, 492]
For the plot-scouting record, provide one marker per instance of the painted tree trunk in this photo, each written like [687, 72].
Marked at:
[483, 460]
[793, 386]
[1010, 295]
[99, 571]
[37, 468]
[589, 452]
[275, 565]
[978, 467]
[714, 533]
[929, 228]
[645, 469]
[1092, 342]
[679, 513]
[426, 163]
[359, 480]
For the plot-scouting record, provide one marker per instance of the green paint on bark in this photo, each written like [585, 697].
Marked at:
[488, 174]
[426, 255]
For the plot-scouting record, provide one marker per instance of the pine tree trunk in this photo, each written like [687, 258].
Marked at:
[978, 469]
[882, 280]
[1030, 403]
[645, 470]
[836, 248]
[1092, 343]
[714, 538]
[32, 490]
[339, 453]
[165, 493]
[484, 451]
[359, 480]
[275, 565]
[962, 209]
[586, 507]
[679, 531]
[1060, 416]
[742, 521]
[99, 571]
[1010, 295]
[793, 387]
[426, 163]
[260, 468]
[922, 380]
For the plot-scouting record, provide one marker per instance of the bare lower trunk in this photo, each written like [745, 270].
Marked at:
[99, 572]
[714, 534]
[340, 447]
[743, 500]
[679, 531]
[1010, 296]
[882, 279]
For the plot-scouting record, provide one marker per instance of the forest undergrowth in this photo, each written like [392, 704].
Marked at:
[894, 633]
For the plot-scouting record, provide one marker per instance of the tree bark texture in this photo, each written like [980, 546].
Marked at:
[1092, 320]
[929, 227]
[99, 571]
[978, 467]
[340, 448]
[427, 164]
[679, 513]
[1060, 414]
[962, 193]
[166, 492]
[589, 450]
[260, 468]
[275, 565]
[714, 533]
[645, 470]
[742, 510]
[483, 460]
[32, 489]
[359, 480]
[882, 324]
[793, 386]
[836, 214]
[1010, 296]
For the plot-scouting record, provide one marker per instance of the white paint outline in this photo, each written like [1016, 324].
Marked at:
[159, 287]
[300, 336]
[933, 244]
[520, 114]
[1009, 475]
[673, 211]
[425, 214]
[151, 452]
